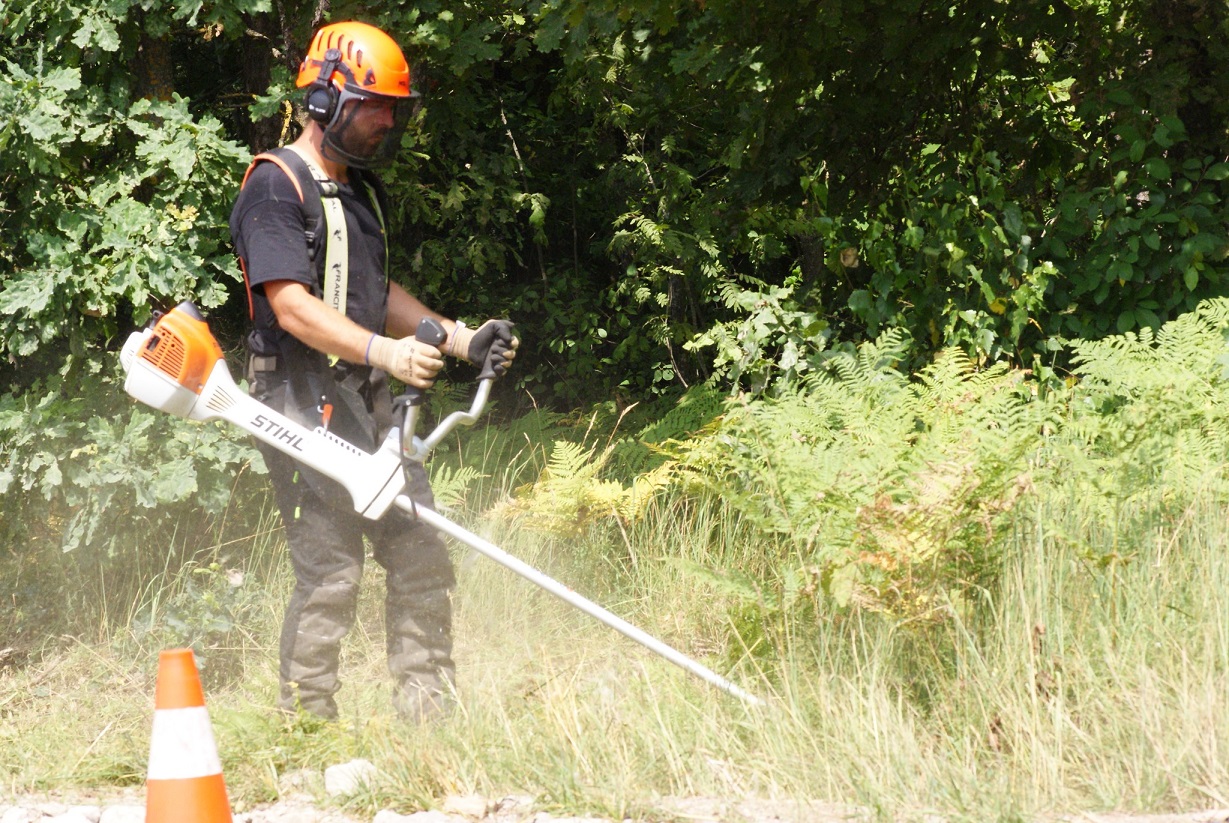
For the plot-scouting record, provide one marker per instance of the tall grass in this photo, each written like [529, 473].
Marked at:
[1041, 625]
[1088, 683]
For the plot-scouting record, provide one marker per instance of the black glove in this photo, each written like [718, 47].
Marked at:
[492, 344]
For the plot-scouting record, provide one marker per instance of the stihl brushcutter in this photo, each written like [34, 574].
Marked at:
[175, 365]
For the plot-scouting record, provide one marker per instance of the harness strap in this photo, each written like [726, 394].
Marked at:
[280, 163]
[336, 248]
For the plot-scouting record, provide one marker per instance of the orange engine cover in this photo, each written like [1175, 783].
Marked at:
[182, 347]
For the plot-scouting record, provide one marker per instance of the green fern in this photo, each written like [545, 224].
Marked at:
[647, 449]
[493, 459]
[891, 493]
[571, 496]
[898, 490]
[450, 485]
[1149, 415]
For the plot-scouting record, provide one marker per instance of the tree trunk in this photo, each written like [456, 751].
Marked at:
[1189, 36]
[258, 55]
[155, 71]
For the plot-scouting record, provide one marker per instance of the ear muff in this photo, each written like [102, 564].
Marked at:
[322, 94]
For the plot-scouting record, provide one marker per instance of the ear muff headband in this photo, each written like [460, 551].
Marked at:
[322, 95]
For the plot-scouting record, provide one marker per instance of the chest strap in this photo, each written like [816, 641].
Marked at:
[336, 243]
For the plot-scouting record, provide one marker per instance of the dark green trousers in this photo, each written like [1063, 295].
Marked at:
[326, 539]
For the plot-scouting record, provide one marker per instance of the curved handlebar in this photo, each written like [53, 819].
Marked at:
[415, 448]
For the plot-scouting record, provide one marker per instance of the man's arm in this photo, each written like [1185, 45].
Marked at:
[325, 329]
[405, 312]
[315, 323]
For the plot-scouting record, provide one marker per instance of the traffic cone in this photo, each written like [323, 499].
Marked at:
[184, 783]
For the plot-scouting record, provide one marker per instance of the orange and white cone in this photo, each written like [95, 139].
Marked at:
[184, 783]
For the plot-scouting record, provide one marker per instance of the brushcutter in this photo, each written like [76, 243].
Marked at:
[175, 365]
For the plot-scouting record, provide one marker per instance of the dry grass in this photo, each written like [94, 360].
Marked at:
[1082, 689]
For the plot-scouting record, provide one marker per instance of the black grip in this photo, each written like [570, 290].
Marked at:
[413, 397]
[493, 363]
[489, 371]
[430, 331]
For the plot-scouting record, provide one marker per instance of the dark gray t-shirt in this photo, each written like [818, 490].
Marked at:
[268, 224]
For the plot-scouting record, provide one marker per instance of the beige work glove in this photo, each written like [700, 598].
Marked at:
[490, 345]
[411, 361]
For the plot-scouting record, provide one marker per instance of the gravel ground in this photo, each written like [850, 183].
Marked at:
[336, 782]
[129, 808]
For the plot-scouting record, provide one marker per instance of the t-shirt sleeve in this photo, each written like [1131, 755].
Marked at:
[271, 222]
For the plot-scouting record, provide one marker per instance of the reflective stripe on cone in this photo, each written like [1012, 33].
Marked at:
[181, 745]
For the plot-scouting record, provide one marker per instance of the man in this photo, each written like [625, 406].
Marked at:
[328, 326]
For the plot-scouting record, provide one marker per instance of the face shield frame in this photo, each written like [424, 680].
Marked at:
[347, 137]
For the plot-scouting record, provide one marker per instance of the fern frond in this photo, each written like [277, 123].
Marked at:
[449, 485]
[645, 451]
[571, 496]
[570, 460]
[1150, 414]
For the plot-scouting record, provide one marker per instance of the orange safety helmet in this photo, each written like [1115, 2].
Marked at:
[346, 65]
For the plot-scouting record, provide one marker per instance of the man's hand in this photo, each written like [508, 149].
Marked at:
[493, 341]
[412, 362]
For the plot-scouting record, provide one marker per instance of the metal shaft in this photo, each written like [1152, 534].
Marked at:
[565, 594]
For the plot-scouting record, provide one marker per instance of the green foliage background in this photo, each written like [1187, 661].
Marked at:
[666, 195]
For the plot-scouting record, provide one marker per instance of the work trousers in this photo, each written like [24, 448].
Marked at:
[327, 551]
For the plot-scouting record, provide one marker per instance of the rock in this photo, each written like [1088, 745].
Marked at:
[388, 816]
[16, 814]
[349, 777]
[298, 782]
[122, 814]
[470, 805]
[291, 814]
[431, 816]
[514, 802]
[80, 814]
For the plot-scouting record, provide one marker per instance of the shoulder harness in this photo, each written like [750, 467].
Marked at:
[325, 221]
[325, 230]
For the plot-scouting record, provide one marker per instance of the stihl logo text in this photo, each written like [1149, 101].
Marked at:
[279, 433]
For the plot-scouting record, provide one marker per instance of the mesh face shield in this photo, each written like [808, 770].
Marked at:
[366, 131]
